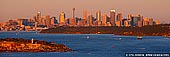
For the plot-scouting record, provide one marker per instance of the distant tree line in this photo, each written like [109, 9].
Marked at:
[150, 30]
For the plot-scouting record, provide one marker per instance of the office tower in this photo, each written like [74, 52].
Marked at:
[129, 19]
[66, 21]
[48, 20]
[82, 22]
[140, 24]
[40, 21]
[72, 22]
[150, 21]
[141, 18]
[104, 19]
[98, 15]
[112, 17]
[38, 15]
[129, 16]
[123, 22]
[43, 20]
[135, 20]
[118, 23]
[85, 14]
[90, 20]
[62, 19]
[73, 12]
[146, 21]
[36, 18]
[119, 19]
[53, 19]
[126, 23]
[157, 22]
[19, 21]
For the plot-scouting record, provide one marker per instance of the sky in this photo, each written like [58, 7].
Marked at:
[14, 9]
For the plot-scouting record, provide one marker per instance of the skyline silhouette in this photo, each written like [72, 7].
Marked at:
[157, 9]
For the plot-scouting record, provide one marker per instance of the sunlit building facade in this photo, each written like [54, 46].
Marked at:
[112, 17]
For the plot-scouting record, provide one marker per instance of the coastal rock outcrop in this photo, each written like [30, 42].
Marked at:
[24, 45]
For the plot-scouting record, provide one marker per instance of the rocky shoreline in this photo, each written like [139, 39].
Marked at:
[24, 45]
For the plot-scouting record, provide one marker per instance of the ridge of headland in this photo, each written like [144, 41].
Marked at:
[24, 45]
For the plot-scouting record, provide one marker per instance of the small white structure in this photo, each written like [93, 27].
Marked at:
[32, 40]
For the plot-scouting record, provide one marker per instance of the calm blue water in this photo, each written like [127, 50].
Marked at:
[92, 45]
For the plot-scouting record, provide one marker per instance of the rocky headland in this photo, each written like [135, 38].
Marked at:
[25, 45]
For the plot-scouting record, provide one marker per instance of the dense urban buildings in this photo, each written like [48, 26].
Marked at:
[39, 22]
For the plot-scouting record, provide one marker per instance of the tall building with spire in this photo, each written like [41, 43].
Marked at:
[112, 17]
[73, 12]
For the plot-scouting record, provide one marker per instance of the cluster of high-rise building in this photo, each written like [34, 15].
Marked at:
[43, 22]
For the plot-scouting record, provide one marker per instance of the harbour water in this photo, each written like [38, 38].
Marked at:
[92, 45]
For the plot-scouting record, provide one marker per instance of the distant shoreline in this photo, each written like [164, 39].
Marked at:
[157, 30]
[80, 34]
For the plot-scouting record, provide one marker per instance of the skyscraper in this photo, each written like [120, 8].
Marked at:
[73, 12]
[140, 23]
[85, 14]
[129, 19]
[118, 23]
[98, 17]
[104, 19]
[150, 21]
[53, 19]
[48, 20]
[43, 20]
[112, 17]
[129, 16]
[90, 19]
[146, 21]
[126, 23]
[72, 21]
[19, 21]
[119, 19]
[135, 20]
[61, 18]
[157, 22]
[38, 15]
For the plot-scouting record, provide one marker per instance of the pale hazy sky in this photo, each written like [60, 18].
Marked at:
[13, 9]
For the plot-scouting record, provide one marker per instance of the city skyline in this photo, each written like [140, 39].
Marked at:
[155, 9]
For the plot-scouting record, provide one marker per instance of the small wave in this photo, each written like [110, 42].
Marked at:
[142, 48]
